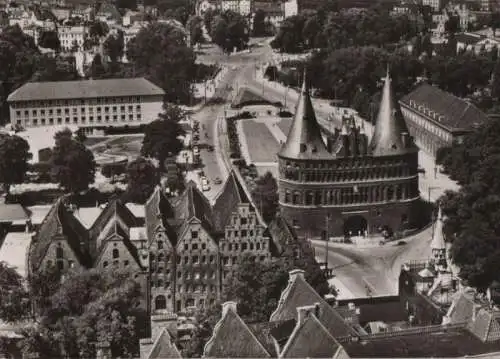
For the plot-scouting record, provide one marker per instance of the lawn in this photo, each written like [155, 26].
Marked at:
[262, 145]
[285, 125]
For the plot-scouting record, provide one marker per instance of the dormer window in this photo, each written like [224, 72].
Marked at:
[303, 147]
[116, 253]
[59, 252]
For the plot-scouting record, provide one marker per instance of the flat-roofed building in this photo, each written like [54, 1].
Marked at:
[90, 103]
[437, 118]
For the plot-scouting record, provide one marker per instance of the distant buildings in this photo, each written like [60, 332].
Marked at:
[348, 186]
[437, 119]
[88, 104]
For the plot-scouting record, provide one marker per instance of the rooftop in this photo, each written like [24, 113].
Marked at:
[62, 90]
[447, 110]
[12, 213]
[14, 249]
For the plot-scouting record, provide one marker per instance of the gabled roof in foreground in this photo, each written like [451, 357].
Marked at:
[232, 338]
[164, 347]
[65, 90]
[299, 293]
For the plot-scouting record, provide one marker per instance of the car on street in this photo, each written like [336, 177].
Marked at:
[217, 180]
[204, 181]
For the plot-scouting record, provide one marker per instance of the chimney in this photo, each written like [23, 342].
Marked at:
[103, 350]
[304, 312]
[163, 321]
[296, 273]
[229, 305]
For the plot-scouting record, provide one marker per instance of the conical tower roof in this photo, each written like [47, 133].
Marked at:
[304, 140]
[390, 125]
[438, 236]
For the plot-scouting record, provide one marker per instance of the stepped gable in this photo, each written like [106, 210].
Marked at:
[158, 212]
[304, 141]
[58, 224]
[232, 338]
[230, 197]
[164, 347]
[115, 211]
[387, 137]
[299, 293]
[193, 204]
[310, 339]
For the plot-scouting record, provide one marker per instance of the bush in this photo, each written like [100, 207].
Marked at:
[234, 142]
[32, 198]
[113, 169]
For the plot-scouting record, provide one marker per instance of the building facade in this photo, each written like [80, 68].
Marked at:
[437, 119]
[348, 186]
[242, 7]
[71, 35]
[90, 103]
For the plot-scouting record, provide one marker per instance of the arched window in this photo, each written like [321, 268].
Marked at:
[287, 196]
[296, 198]
[116, 253]
[59, 252]
[317, 199]
[160, 302]
[309, 198]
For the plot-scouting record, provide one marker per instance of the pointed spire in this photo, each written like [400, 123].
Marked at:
[438, 242]
[304, 140]
[390, 126]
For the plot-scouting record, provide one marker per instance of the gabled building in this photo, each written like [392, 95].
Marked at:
[346, 185]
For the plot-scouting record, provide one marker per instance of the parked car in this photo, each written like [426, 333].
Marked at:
[217, 180]
[204, 181]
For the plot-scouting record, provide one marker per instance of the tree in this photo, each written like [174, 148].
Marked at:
[208, 18]
[265, 195]
[259, 23]
[14, 298]
[495, 81]
[452, 25]
[289, 37]
[86, 307]
[73, 165]
[311, 28]
[14, 156]
[195, 29]
[143, 177]
[97, 70]
[49, 39]
[161, 137]
[229, 31]
[150, 52]
[113, 46]
[98, 29]
[51, 68]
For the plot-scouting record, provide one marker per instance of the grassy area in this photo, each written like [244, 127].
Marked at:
[261, 143]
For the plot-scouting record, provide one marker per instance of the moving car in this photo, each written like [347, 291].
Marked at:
[217, 180]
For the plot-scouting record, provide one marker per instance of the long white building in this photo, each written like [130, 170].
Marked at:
[90, 103]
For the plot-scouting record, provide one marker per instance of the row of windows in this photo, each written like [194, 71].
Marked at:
[59, 111]
[116, 262]
[242, 233]
[244, 246]
[337, 165]
[77, 102]
[428, 126]
[371, 173]
[234, 260]
[67, 120]
[350, 195]
[161, 303]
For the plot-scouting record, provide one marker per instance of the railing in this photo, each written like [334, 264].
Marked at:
[403, 332]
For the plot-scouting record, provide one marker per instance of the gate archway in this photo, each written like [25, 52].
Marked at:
[354, 225]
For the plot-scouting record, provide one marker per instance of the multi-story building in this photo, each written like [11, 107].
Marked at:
[63, 242]
[436, 5]
[89, 104]
[242, 7]
[437, 118]
[290, 8]
[71, 35]
[348, 186]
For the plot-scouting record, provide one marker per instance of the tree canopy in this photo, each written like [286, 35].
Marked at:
[114, 46]
[49, 39]
[195, 29]
[229, 30]
[161, 137]
[143, 177]
[265, 196]
[89, 306]
[14, 298]
[14, 156]
[73, 165]
[151, 55]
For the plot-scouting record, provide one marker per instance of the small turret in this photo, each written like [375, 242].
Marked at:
[388, 136]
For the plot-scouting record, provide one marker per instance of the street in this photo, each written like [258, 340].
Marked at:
[362, 271]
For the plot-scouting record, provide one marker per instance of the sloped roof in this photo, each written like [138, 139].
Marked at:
[468, 39]
[486, 326]
[390, 125]
[59, 223]
[304, 140]
[227, 201]
[232, 338]
[61, 90]
[461, 310]
[12, 212]
[193, 204]
[452, 113]
[299, 293]
[262, 332]
[157, 212]
[164, 347]
[310, 340]
[115, 211]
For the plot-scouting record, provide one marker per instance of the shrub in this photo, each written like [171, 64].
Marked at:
[113, 169]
